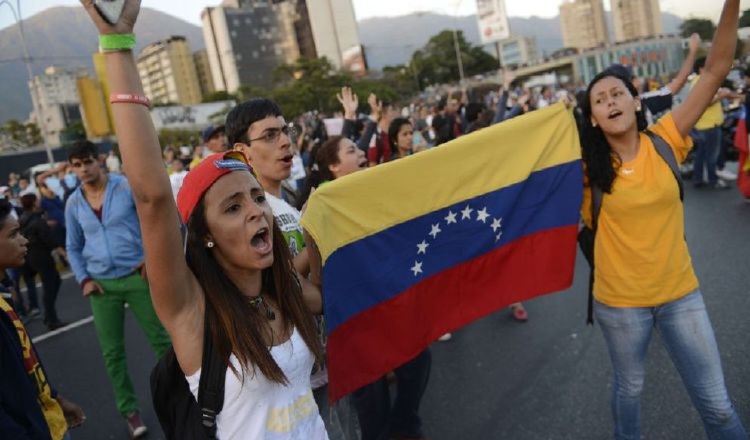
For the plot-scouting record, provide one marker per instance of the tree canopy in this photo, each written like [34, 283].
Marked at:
[702, 26]
[436, 62]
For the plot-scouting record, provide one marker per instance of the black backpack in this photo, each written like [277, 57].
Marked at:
[180, 416]
[586, 235]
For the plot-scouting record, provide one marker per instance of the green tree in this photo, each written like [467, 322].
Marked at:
[33, 134]
[16, 130]
[221, 95]
[745, 18]
[702, 26]
[437, 61]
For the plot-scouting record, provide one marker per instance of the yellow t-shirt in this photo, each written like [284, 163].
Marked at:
[712, 117]
[51, 409]
[642, 259]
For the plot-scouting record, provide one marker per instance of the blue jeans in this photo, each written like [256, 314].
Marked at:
[377, 419]
[689, 338]
[706, 153]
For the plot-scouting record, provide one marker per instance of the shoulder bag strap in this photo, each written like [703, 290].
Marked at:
[596, 206]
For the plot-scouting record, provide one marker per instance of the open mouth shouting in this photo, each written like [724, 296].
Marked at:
[614, 114]
[286, 160]
[262, 242]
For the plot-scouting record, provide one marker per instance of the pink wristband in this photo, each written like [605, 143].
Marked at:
[129, 98]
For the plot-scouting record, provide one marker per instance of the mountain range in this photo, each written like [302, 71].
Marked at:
[64, 37]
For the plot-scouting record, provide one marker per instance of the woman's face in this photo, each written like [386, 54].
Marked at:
[351, 159]
[240, 222]
[613, 108]
[405, 137]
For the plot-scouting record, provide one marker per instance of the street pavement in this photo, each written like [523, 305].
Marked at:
[496, 379]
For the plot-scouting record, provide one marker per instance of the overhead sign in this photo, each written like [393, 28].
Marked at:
[493, 21]
[190, 117]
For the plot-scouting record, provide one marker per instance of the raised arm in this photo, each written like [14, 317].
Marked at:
[175, 292]
[678, 82]
[718, 63]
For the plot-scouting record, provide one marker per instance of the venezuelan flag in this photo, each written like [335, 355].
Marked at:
[426, 244]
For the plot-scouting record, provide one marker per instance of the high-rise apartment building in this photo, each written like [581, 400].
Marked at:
[203, 70]
[583, 24]
[247, 39]
[634, 19]
[167, 71]
[518, 50]
[55, 99]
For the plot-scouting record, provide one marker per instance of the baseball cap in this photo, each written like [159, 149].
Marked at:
[211, 130]
[202, 177]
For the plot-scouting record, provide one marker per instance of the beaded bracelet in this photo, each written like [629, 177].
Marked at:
[129, 98]
[116, 42]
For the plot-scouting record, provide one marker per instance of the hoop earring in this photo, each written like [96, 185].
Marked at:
[210, 244]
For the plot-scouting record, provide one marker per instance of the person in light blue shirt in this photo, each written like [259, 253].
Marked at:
[105, 250]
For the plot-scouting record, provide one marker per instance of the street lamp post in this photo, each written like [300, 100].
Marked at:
[27, 60]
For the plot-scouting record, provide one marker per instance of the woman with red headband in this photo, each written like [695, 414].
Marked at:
[237, 275]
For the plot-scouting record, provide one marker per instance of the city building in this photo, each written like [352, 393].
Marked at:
[583, 24]
[55, 102]
[167, 71]
[518, 50]
[203, 70]
[100, 70]
[634, 19]
[247, 39]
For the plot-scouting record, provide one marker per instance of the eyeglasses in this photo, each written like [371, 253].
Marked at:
[271, 135]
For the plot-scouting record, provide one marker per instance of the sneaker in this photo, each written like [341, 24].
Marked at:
[445, 337]
[136, 428]
[726, 174]
[34, 313]
[719, 184]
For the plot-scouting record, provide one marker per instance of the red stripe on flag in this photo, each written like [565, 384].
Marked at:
[383, 337]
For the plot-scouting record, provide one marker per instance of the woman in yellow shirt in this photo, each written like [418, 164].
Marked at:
[644, 277]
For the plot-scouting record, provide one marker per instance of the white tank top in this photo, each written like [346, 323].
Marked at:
[261, 409]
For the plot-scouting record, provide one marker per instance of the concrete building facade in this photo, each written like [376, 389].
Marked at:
[518, 50]
[167, 71]
[583, 24]
[55, 102]
[634, 19]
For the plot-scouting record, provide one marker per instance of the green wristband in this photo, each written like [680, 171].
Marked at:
[116, 42]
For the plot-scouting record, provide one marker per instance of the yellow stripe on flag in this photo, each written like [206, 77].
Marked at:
[366, 202]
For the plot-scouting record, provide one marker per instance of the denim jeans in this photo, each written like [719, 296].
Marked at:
[706, 153]
[379, 420]
[689, 338]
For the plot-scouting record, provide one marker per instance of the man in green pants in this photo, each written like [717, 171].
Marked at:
[105, 251]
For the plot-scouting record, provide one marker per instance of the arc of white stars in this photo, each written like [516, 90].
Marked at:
[451, 218]
[417, 268]
[422, 247]
[482, 215]
[496, 224]
[466, 213]
[435, 230]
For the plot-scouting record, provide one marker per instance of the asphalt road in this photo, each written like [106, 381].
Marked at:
[497, 379]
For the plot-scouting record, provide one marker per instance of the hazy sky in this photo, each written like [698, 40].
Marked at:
[189, 10]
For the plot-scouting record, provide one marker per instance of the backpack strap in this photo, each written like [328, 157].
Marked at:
[666, 153]
[211, 384]
[597, 195]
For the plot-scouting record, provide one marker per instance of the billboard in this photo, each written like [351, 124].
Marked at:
[493, 21]
[190, 117]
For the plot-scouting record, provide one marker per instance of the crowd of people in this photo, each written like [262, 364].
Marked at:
[251, 277]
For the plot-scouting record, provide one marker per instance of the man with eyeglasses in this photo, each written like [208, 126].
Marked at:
[105, 250]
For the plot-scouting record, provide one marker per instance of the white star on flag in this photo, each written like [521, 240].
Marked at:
[497, 237]
[466, 213]
[417, 268]
[422, 247]
[482, 215]
[435, 230]
[451, 218]
[497, 224]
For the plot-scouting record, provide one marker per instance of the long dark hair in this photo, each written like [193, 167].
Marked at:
[601, 161]
[393, 130]
[321, 157]
[236, 326]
